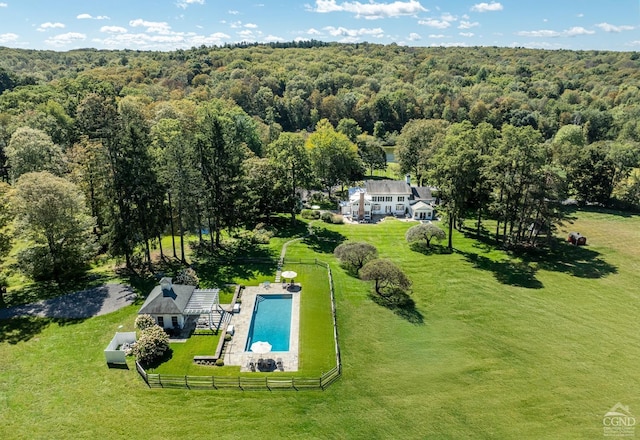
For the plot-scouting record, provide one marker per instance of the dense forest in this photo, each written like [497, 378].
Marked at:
[106, 151]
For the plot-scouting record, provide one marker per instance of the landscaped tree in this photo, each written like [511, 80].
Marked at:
[51, 216]
[418, 142]
[31, 150]
[152, 344]
[426, 232]
[289, 153]
[371, 153]
[354, 255]
[334, 158]
[387, 277]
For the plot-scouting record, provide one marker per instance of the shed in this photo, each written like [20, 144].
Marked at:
[114, 353]
[577, 239]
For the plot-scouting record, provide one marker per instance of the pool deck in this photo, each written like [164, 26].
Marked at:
[235, 353]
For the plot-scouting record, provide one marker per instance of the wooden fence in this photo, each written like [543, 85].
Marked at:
[249, 383]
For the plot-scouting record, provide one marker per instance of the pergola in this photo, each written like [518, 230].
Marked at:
[204, 302]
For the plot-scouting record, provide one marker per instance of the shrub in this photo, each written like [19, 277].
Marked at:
[219, 362]
[187, 276]
[337, 219]
[425, 232]
[387, 277]
[144, 321]
[227, 337]
[152, 344]
[326, 217]
[310, 214]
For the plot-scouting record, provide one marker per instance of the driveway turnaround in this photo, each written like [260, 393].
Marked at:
[84, 304]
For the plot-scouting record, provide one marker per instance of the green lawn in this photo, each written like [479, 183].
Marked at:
[495, 347]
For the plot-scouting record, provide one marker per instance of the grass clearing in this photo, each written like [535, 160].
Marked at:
[503, 348]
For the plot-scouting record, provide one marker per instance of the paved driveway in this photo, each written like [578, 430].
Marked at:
[85, 304]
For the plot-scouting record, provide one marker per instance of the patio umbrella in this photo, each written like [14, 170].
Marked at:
[289, 274]
[260, 347]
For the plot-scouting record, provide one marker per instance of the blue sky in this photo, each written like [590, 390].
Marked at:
[173, 24]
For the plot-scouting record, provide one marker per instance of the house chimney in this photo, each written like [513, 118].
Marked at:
[408, 179]
[361, 206]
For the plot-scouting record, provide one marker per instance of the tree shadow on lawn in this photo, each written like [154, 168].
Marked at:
[242, 261]
[24, 328]
[434, 249]
[401, 304]
[513, 273]
[578, 261]
[323, 240]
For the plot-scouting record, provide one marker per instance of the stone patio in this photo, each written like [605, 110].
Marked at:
[235, 353]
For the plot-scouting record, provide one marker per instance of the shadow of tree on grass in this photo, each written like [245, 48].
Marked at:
[433, 249]
[578, 261]
[510, 272]
[323, 240]
[401, 304]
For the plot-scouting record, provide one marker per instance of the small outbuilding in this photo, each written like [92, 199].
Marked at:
[577, 239]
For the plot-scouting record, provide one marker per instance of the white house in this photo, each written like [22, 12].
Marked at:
[171, 304]
[389, 197]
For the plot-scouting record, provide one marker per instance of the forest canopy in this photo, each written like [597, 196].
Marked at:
[219, 138]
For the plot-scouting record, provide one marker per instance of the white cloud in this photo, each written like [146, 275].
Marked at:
[113, 30]
[4, 5]
[160, 27]
[90, 17]
[467, 34]
[467, 24]
[546, 33]
[613, 28]
[185, 3]
[432, 22]
[251, 26]
[448, 17]
[580, 15]
[487, 7]
[449, 44]
[344, 32]
[313, 31]
[578, 30]
[246, 34]
[8, 38]
[65, 39]
[233, 12]
[273, 39]
[414, 37]
[371, 10]
[437, 36]
[48, 25]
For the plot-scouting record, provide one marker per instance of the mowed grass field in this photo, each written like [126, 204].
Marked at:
[495, 347]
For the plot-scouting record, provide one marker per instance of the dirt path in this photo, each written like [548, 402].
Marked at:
[84, 304]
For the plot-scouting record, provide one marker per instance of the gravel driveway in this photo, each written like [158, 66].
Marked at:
[85, 304]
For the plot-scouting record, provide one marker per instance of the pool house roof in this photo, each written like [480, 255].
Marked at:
[202, 301]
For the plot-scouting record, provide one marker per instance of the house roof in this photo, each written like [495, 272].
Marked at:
[419, 205]
[421, 193]
[169, 302]
[387, 187]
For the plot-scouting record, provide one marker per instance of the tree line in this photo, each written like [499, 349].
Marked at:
[217, 139]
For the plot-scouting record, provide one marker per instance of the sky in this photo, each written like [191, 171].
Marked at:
[181, 24]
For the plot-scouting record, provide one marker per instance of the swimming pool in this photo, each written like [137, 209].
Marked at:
[271, 321]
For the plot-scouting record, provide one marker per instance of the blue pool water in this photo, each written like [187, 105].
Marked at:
[271, 322]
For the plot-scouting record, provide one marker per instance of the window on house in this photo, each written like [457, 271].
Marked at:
[400, 198]
[399, 207]
[161, 321]
[388, 199]
[376, 208]
[174, 321]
